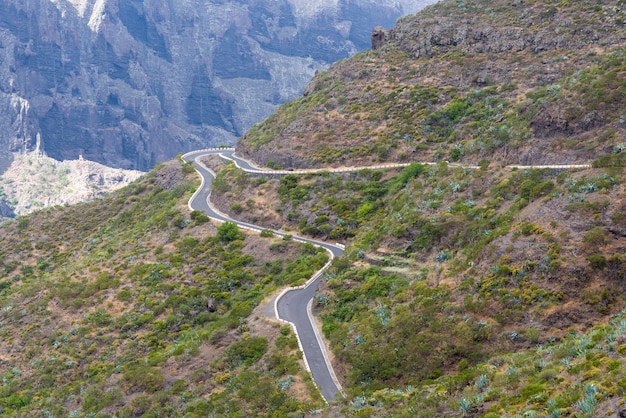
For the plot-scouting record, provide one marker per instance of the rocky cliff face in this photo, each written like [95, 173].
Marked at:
[129, 82]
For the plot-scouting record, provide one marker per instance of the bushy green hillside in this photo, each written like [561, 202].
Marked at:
[483, 291]
[582, 375]
[134, 306]
[453, 275]
[449, 268]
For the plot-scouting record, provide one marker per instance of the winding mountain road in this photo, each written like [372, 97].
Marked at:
[294, 305]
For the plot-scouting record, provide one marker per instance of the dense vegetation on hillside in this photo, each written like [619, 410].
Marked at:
[529, 82]
[451, 267]
[486, 291]
[465, 291]
[133, 305]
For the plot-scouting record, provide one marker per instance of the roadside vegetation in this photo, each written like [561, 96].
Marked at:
[462, 292]
[450, 270]
[581, 375]
[465, 292]
[130, 305]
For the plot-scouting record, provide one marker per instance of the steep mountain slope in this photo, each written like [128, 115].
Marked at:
[129, 83]
[455, 274]
[523, 82]
[132, 306]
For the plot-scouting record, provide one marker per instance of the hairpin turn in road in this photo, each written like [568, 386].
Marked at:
[294, 304]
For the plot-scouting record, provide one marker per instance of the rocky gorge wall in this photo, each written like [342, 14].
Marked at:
[128, 83]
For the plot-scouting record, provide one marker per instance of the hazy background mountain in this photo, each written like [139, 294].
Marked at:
[130, 83]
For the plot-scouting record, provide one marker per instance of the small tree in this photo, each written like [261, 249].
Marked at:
[228, 232]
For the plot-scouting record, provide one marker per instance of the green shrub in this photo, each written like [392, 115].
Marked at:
[22, 222]
[597, 261]
[236, 208]
[188, 167]
[595, 236]
[124, 295]
[531, 390]
[414, 170]
[228, 232]
[611, 160]
[455, 110]
[100, 317]
[246, 351]
[17, 401]
[199, 217]
[267, 233]
[95, 399]
[143, 378]
[241, 310]
[178, 387]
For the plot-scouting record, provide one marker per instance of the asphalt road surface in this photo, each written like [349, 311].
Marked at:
[292, 306]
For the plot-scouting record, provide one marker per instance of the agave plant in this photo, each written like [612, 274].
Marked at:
[481, 382]
[465, 405]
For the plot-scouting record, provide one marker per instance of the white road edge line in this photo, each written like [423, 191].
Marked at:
[284, 291]
[320, 341]
[321, 271]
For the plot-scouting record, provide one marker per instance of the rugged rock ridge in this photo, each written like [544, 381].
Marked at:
[34, 181]
[535, 27]
[379, 37]
[128, 83]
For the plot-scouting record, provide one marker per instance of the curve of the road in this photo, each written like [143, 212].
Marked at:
[294, 305]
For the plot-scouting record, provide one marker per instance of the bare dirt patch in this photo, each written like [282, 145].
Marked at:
[170, 175]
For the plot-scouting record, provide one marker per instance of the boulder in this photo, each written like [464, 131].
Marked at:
[211, 305]
[379, 37]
